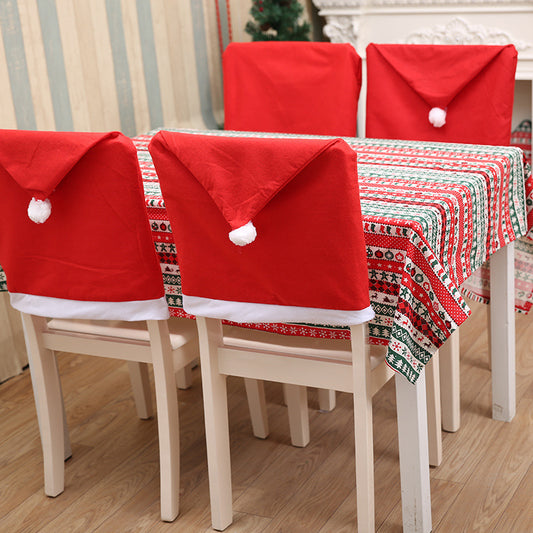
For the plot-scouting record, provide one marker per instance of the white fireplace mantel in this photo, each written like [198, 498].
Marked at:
[361, 22]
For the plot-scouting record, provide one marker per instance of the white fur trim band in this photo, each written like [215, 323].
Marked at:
[437, 117]
[245, 312]
[243, 235]
[61, 308]
[39, 210]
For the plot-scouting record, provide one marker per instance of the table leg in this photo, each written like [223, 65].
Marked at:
[414, 454]
[502, 334]
[450, 383]
[434, 410]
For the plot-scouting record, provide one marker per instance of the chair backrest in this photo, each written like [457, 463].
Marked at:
[87, 250]
[305, 262]
[449, 93]
[292, 87]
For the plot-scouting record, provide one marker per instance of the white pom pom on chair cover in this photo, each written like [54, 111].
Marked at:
[39, 210]
[437, 117]
[243, 235]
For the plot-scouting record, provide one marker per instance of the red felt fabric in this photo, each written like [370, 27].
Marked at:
[96, 245]
[242, 177]
[309, 250]
[40, 164]
[292, 87]
[474, 83]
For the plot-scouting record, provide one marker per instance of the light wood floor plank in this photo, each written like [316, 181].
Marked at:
[112, 484]
[518, 515]
[488, 491]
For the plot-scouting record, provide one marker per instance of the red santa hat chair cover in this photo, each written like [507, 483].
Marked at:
[85, 252]
[443, 93]
[307, 262]
[87, 258]
[215, 185]
[292, 87]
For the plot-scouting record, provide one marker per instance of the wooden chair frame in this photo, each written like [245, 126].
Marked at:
[156, 345]
[222, 356]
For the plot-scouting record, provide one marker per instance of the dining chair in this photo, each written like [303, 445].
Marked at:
[444, 93]
[293, 87]
[270, 230]
[81, 268]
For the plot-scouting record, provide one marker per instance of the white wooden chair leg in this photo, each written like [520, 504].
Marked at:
[450, 383]
[434, 411]
[326, 400]
[364, 441]
[503, 334]
[167, 418]
[255, 393]
[216, 424]
[66, 436]
[184, 377]
[140, 386]
[296, 397]
[414, 454]
[48, 403]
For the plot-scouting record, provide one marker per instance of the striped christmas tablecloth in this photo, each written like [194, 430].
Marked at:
[477, 286]
[432, 213]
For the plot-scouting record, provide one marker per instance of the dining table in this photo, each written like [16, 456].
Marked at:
[435, 215]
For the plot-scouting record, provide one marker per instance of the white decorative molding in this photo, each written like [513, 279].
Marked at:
[441, 3]
[458, 31]
[342, 29]
[499, 22]
[336, 4]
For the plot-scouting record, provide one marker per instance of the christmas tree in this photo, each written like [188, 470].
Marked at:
[277, 20]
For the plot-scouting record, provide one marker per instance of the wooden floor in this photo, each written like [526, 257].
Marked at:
[485, 483]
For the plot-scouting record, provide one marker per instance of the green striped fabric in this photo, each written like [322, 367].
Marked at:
[97, 65]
